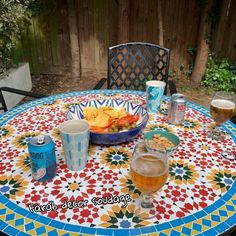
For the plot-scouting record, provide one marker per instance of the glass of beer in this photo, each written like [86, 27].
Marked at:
[222, 109]
[149, 172]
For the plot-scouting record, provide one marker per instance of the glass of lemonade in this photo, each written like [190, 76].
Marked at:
[149, 172]
[222, 109]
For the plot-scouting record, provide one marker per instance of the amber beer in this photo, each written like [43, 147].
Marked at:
[221, 110]
[149, 173]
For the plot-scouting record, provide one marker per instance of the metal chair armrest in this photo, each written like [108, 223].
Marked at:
[16, 91]
[172, 87]
[22, 92]
[100, 83]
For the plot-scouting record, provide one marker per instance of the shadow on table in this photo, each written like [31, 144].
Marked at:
[230, 232]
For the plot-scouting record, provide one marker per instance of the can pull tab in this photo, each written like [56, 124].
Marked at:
[40, 139]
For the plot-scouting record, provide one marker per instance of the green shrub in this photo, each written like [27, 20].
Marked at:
[220, 75]
[14, 17]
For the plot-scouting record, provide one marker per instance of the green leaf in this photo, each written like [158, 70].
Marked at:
[220, 175]
[131, 187]
[128, 214]
[219, 75]
[136, 220]
[228, 175]
[221, 185]
[13, 191]
[178, 177]
[186, 177]
[217, 179]
[3, 182]
[113, 226]
[113, 220]
[137, 191]
[12, 181]
[114, 163]
[119, 215]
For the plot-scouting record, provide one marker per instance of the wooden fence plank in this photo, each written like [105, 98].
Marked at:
[101, 35]
[47, 44]
[179, 35]
[150, 22]
[231, 51]
[123, 23]
[84, 35]
[113, 21]
[96, 31]
[64, 34]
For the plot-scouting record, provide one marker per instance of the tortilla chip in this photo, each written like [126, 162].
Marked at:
[102, 120]
[115, 113]
[102, 117]
[90, 113]
[122, 112]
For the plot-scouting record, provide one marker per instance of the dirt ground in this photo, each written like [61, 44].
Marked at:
[54, 84]
[199, 95]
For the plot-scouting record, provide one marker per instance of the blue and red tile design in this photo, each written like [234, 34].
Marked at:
[199, 198]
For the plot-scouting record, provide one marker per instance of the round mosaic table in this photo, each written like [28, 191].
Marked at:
[199, 198]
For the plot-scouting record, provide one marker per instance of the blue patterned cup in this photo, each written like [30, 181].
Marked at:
[75, 139]
[155, 90]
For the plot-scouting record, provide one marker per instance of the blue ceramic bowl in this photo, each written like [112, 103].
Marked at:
[170, 136]
[76, 112]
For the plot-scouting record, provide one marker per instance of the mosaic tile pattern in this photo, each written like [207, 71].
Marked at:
[200, 197]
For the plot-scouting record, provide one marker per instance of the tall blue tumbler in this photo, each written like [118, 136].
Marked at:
[155, 90]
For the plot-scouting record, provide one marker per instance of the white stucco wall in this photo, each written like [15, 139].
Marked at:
[19, 78]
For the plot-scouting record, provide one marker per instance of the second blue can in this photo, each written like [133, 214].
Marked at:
[42, 158]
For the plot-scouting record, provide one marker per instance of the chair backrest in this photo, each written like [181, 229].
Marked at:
[130, 65]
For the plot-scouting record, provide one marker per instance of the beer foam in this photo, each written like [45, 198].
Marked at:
[151, 168]
[223, 104]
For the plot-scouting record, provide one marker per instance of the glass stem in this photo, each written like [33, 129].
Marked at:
[216, 133]
[146, 201]
[217, 130]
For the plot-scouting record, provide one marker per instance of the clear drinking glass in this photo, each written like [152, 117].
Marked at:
[149, 172]
[222, 109]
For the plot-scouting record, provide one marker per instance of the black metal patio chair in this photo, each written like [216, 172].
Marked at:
[130, 65]
[15, 91]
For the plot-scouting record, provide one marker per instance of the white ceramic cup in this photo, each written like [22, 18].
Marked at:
[75, 139]
[155, 90]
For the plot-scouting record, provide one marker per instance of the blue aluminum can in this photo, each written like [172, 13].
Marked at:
[42, 158]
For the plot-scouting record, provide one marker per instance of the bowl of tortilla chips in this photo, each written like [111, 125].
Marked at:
[111, 121]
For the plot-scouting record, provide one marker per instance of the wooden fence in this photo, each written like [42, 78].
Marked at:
[224, 38]
[102, 23]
